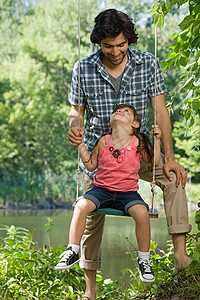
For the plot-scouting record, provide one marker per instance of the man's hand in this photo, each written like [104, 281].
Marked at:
[171, 165]
[75, 137]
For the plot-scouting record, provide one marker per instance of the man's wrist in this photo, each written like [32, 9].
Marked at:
[168, 157]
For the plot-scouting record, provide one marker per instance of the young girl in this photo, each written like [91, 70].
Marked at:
[117, 157]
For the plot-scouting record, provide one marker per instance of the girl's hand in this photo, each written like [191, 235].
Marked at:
[75, 137]
[156, 132]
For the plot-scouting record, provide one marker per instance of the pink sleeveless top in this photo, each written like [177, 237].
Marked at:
[119, 173]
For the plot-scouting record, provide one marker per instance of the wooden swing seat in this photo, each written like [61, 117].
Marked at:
[117, 212]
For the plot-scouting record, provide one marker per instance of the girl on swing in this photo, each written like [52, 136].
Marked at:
[117, 157]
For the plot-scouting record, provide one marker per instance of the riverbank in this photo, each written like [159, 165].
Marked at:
[192, 206]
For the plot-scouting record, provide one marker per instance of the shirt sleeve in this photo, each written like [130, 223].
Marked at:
[160, 84]
[74, 92]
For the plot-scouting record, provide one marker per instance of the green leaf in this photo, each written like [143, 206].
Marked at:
[195, 41]
[164, 65]
[152, 11]
[183, 61]
[175, 35]
[197, 55]
[161, 21]
[197, 8]
[168, 5]
[191, 122]
[196, 28]
[196, 255]
[195, 66]
[156, 19]
[178, 63]
[188, 83]
[186, 22]
[177, 48]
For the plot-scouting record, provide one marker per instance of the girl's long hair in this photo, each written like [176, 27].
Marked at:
[144, 141]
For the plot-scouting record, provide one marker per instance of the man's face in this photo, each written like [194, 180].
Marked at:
[115, 49]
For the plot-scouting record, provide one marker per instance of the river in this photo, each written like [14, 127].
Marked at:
[114, 246]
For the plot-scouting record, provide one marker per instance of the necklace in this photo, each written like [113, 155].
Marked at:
[116, 152]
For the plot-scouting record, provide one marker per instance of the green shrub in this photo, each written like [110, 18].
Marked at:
[29, 273]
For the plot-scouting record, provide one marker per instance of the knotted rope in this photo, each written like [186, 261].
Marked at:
[153, 183]
[78, 174]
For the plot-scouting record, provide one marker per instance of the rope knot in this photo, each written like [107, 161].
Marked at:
[153, 184]
[78, 174]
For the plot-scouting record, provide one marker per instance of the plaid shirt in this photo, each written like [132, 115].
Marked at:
[99, 96]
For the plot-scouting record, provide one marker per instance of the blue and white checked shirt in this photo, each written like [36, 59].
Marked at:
[99, 96]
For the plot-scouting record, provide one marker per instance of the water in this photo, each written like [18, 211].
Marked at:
[114, 246]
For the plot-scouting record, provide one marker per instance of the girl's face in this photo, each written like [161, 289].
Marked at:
[125, 116]
[124, 113]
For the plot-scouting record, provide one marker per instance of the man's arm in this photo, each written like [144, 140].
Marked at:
[75, 136]
[163, 121]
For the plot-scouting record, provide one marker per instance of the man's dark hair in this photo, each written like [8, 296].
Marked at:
[110, 23]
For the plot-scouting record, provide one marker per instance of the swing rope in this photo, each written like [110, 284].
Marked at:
[78, 172]
[153, 212]
[154, 118]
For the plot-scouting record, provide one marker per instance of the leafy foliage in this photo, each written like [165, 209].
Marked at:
[34, 88]
[185, 52]
[186, 285]
[28, 273]
[39, 46]
[187, 146]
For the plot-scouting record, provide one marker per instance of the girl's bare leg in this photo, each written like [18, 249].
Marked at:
[141, 216]
[82, 209]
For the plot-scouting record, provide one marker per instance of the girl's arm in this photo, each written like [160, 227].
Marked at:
[156, 133]
[89, 161]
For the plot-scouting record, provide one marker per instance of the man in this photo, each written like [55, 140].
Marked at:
[117, 74]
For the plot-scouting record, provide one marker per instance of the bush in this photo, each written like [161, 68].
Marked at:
[185, 285]
[29, 273]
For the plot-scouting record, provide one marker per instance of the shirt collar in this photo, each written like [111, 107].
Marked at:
[136, 56]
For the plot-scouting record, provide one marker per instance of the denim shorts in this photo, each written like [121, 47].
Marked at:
[103, 198]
